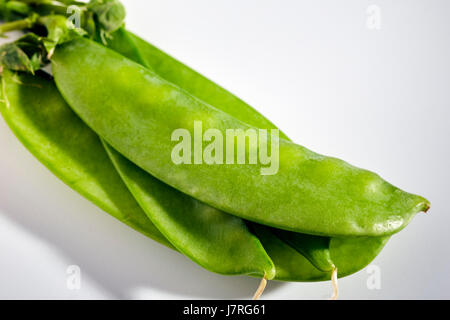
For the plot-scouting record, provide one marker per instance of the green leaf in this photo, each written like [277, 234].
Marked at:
[25, 54]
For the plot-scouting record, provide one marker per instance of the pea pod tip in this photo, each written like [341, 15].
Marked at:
[425, 206]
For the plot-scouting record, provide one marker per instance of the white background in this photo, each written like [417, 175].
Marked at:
[376, 98]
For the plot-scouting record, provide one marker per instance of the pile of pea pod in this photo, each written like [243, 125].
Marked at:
[101, 121]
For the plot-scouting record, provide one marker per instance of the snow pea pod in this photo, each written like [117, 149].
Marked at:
[144, 53]
[310, 193]
[316, 249]
[51, 131]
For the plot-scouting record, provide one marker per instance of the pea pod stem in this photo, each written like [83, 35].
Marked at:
[23, 24]
[260, 290]
[18, 25]
[334, 284]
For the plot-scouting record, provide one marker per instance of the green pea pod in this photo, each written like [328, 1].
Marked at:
[136, 111]
[50, 130]
[144, 53]
[314, 248]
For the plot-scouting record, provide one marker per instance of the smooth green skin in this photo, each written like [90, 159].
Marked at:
[315, 248]
[136, 111]
[52, 132]
[349, 255]
[214, 239]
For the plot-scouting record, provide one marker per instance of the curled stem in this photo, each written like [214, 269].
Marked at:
[260, 290]
[334, 284]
